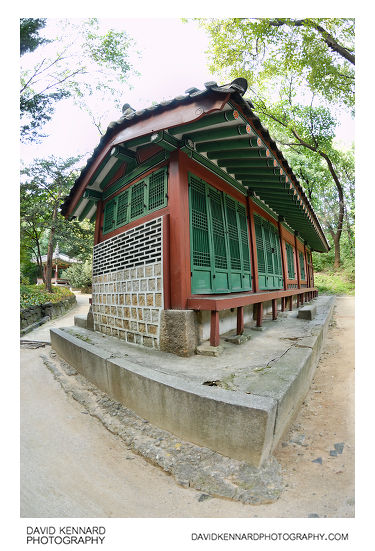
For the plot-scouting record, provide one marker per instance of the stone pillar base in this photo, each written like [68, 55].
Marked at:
[178, 332]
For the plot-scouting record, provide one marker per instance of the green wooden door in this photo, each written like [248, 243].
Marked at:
[302, 265]
[290, 260]
[270, 273]
[220, 255]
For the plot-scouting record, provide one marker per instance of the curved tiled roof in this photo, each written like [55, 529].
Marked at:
[235, 90]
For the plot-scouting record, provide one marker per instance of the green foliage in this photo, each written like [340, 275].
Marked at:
[29, 34]
[32, 295]
[44, 183]
[301, 75]
[79, 275]
[334, 283]
[319, 52]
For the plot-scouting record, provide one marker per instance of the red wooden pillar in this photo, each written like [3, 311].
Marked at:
[253, 246]
[274, 309]
[214, 333]
[179, 247]
[240, 320]
[312, 271]
[283, 254]
[291, 302]
[298, 300]
[98, 222]
[297, 262]
[166, 274]
[282, 304]
[307, 274]
[259, 314]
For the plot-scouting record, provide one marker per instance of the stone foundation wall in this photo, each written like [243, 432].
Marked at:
[127, 302]
[31, 315]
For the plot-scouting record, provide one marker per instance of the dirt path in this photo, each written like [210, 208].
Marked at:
[71, 466]
[41, 333]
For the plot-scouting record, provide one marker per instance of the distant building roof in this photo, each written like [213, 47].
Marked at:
[58, 256]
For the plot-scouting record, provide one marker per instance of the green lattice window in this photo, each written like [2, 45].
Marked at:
[220, 254]
[270, 273]
[139, 199]
[302, 266]
[290, 260]
[122, 216]
[109, 216]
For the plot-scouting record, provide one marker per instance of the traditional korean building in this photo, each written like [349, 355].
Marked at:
[60, 262]
[201, 225]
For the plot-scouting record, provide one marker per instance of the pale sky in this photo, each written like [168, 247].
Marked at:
[172, 59]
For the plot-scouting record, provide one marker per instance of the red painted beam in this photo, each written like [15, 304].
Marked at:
[225, 302]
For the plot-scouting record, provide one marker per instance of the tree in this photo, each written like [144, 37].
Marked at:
[300, 73]
[44, 185]
[319, 52]
[79, 62]
[29, 34]
[79, 275]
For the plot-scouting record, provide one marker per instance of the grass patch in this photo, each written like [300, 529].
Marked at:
[34, 295]
[335, 283]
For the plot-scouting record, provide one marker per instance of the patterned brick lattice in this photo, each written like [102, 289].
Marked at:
[127, 289]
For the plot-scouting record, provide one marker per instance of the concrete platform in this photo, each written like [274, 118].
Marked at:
[238, 404]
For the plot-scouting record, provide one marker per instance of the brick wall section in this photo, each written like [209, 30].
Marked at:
[127, 290]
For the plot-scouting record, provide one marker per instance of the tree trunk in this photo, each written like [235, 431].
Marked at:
[336, 236]
[336, 241]
[50, 252]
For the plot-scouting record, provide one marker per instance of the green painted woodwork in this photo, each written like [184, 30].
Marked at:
[92, 194]
[239, 143]
[220, 254]
[214, 169]
[270, 275]
[86, 210]
[110, 216]
[248, 180]
[122, 214]
[136, 142]
[93, 217]
[251, 155]
[138, 171]
[302, 265]
[124, 155]
[218, 133]
[99, 169]
[209, 120]
[290, 260]
[111, 173]
[232, 167]
[270, 189]
[162, 138]
[143, 197]
[268, 186]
